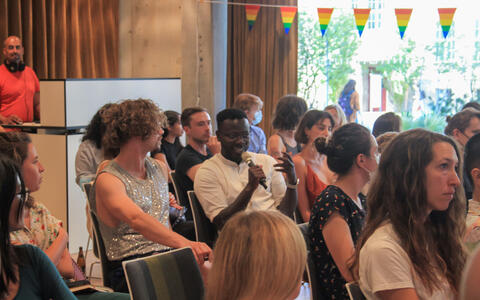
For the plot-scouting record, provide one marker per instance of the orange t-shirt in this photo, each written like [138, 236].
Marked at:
[17, 91]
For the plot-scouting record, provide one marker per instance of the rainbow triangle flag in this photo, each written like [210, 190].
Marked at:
[361, 18]
[403, 16]
[251, 11]
[446, 19]
[288, 14]
[324, 15]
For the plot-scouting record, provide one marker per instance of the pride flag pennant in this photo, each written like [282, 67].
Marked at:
[324, 15]
[446, 19]
[251, 12]
[403, 16]
[288, 14]
[361, 18]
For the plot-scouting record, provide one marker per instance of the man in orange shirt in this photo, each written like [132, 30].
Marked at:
[19, 86]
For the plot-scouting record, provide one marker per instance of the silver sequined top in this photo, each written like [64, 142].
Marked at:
[151, 195]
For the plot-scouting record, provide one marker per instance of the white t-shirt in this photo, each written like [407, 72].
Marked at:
[384, 265]
[219, 181]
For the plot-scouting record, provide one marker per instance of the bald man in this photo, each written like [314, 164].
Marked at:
[19, 86]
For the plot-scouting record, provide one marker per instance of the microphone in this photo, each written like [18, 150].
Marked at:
[247, 158]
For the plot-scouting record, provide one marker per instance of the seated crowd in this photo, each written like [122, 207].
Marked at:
[393, 211]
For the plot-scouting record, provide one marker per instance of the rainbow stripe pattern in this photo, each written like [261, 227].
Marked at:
[361, 18]
[251, 11]
[324, 15]
[288, 14]
[446, 19]
[403, 16]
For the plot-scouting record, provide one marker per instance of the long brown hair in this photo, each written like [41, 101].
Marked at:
[398, 195]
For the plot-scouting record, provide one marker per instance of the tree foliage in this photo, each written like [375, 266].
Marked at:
[340, 42]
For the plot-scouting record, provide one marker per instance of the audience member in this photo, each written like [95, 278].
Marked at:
[384, 140]
[472, 104]
[252, 106]
[19, 86]
[288, 112]
[469, 288]
[338, 115]
[411, 245]
[26, 272]
[130, 195]
[90, 152]
[338, 214]
[472, 169]
[462, 126]
[40, 227]
[388, 122]
[198, 129]
[311, 166]
[171, 145]
[349, 101]
[259, 255]
[227, 184]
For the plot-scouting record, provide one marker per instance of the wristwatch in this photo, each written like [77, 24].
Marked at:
[293, 186]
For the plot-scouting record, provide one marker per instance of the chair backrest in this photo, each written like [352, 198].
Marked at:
[354, 291]
[166, 276]
[178, 190]
[101, 249]
[315, 292]
[87, 187]
[205, 231]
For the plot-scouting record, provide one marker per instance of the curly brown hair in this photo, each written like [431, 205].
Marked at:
[128, 119]
[398, 195]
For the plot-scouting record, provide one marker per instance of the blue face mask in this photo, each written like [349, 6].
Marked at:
[257, 118]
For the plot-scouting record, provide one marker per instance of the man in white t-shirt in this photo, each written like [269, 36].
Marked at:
[225, 184]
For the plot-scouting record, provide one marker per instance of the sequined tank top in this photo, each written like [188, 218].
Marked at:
[151, 195]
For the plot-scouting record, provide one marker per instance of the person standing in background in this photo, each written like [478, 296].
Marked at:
[349, 101]
[19, 86]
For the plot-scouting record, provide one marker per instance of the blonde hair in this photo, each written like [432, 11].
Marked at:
[246, 101]
[340, 113]
[259, 255]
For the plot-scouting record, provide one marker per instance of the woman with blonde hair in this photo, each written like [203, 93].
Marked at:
[411, 245]
[338, 115]
[259, 255]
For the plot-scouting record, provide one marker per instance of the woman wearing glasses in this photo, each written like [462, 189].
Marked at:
[26, 272]
[41, 228]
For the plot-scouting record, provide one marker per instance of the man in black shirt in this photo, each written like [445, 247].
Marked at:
[201, 145]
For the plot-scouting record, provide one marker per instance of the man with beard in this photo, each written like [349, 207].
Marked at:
[19, 86]
[130, 195]
[228, 183]
[200, 147]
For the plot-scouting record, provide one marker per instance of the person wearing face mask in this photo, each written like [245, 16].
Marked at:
[311, 166]
[338, 213]
[19, 86]
[252, 106]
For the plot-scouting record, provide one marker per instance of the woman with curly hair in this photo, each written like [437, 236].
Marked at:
[288, 112]
[338, 213]
[411, 245]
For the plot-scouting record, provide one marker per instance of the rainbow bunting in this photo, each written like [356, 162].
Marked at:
[251, 12]
[361, 18]
[446, 19]
[324, 15]
[288, 14]
[403, 16]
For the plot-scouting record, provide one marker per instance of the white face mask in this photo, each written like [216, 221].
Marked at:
[257, 118]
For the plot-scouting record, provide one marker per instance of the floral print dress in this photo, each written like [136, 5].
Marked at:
[43, 228]
[332, 200]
